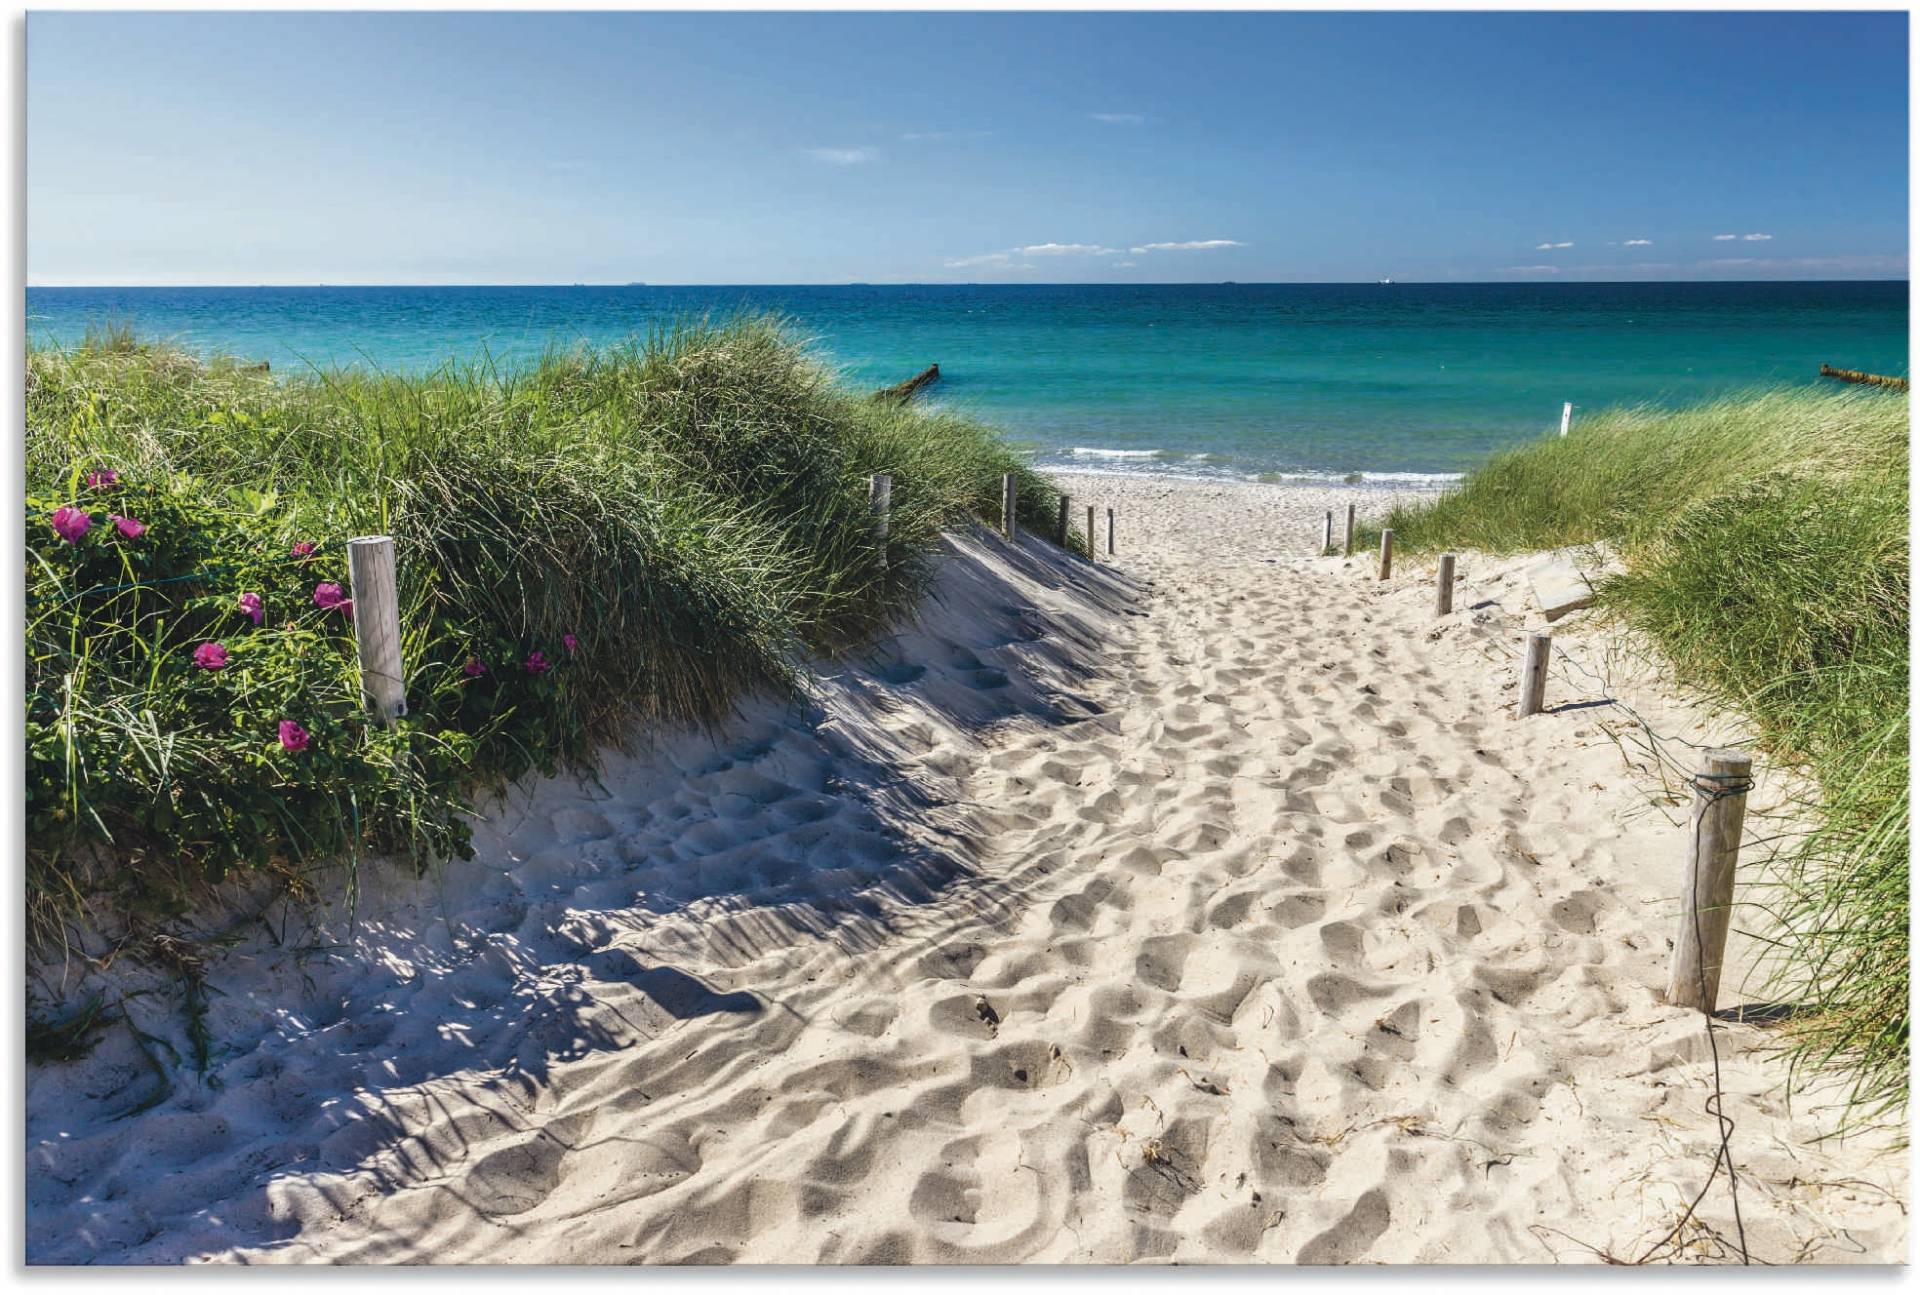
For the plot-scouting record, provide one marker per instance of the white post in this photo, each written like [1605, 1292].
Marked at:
[880, 499]
[376, 625]
[1386, 553]
[1566, 417]
[1713, 848]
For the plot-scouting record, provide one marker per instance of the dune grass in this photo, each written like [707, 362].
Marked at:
[602, 541]
[1764, 544]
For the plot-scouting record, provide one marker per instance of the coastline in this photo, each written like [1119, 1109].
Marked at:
[1203, 903]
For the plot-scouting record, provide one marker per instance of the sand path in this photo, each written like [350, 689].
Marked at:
[1210, 910]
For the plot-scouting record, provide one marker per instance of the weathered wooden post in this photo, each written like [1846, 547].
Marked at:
[376, 625]
[1566, 417]
[1326, 544]
[880, 499]
[1386, 553]
[1009, 506]
[1533, 679]
[1109, 532]
[1063, 521]
[1443, 591]
[1720, 789]
[1349, 552]
[1092, 553]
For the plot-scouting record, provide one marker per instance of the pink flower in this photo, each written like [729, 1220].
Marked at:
[303, 549]
[345, 607]
[251, 605]
[129, 527]
[572, 643]
[100, 478]
[210, 656]
[537, 663]
[474, 667]
[71, 524]
[327, 595]
[292, 736]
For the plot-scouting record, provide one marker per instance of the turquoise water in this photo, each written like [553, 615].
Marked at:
[1228, 379]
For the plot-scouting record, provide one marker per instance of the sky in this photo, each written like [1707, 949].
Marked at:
[712, 148]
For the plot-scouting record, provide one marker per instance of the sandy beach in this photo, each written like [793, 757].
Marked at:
[1204, 903]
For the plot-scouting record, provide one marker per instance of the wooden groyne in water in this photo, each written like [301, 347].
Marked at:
[902, 392]
[1871, 379]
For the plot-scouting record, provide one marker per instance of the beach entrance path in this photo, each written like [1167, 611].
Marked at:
[1207, 904]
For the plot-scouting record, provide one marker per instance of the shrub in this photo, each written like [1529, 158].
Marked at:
[606, 539]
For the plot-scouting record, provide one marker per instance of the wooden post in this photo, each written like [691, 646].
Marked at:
[1349, 552]
[1063, 521]
[1091, 551]
[1706, 905]
[1386, 553]
[376, 625]
[1009, 506]
[1443, 593]
[1566, 417]
[1109, 532]
[1326, 545]
[1533, 680]
[880, 499]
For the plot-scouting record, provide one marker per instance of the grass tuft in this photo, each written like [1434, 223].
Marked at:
[604, 540]
[1764, 541]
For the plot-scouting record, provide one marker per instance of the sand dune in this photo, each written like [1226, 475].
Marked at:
[1207, 905]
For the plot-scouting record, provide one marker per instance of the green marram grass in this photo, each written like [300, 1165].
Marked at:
[608, 539]
[1764, 545]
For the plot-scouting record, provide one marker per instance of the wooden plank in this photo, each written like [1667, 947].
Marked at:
[1559, 587]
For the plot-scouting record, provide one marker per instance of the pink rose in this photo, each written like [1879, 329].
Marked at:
[252, 606]
[292, 736]
[129, 527]
[537, 663]
[100, 478]
[345, 607]
[303, 549]
[474, 667]
[210, 656]
[327, 595]
[572, 643]
[70, 524]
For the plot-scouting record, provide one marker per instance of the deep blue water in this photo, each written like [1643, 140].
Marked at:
[1243, 379]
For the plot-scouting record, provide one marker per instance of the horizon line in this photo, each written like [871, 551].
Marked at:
[972, 283]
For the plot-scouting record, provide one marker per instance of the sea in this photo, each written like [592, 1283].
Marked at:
[1393, 383]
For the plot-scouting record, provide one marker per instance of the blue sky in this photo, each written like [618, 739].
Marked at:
[776, 148]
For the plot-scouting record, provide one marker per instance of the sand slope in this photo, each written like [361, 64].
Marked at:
[1210, 909]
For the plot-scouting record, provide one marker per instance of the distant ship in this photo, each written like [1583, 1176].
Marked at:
[1386, 280]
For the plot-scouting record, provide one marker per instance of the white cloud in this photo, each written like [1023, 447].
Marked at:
[1551, 247]
[985, 258]
[1724, 238]
[1639, 242]
[1067, 249]
[843, 156]
[1197, 245]
[1123, 265]
[1757, 238]
[1119, 118]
